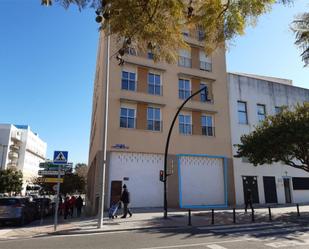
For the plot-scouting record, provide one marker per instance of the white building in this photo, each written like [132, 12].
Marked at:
[251, 98]
[21, 148]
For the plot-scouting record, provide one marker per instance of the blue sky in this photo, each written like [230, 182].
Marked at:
[48, 56]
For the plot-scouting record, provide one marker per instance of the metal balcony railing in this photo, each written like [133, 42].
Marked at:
[206, 66]
[154, 125]
[184, 61]
[208, 131]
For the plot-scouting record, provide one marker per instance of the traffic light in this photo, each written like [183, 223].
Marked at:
[161, 175]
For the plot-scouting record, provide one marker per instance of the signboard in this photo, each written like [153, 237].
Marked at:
[60, 157]
[51, 180]
[50, 172]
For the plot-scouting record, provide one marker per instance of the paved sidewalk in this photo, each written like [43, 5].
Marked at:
[153, 219]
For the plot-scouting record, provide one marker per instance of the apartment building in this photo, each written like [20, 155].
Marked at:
[143, 99]
[22, 149]
[251, 99]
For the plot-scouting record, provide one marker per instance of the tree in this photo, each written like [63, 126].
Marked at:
[158, 24]
[11, 180]
[283, 137]
[301, 30]
[81, 169]
[72, 183]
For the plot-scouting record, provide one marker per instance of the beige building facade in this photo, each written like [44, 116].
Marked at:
[143, 99]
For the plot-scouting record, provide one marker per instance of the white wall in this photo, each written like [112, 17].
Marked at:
[144, 185]
[202, 181]
[253, 92]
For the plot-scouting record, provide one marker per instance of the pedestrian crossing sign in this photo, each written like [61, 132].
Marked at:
[60, 157]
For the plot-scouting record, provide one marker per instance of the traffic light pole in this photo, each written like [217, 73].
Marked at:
[167, 146]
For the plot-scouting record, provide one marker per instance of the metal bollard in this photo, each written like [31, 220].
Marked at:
[212, 216]
[252, 215]
[234, 216]
[189, 217]
[297, 206]
[269, 213]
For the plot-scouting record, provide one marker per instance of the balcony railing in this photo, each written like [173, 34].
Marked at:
[13, 154]
[154, 125]
[14, 147]
[155, 89]
[185, 129]
[208, 131]
[184, 61]
[206, 66]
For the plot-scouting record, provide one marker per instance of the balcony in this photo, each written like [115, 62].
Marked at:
[14, 147]
[13, 155]
[206, 66]
[16, 136]
[184, 61]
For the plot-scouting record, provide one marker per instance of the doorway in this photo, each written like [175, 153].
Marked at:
[116, 188]
[287, 190]
[270, 189]
[250, 182]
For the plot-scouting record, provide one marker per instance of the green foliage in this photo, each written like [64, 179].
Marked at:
[11, 180]
[301, 30]
[161, 22]
[72, 183]
[280, 138]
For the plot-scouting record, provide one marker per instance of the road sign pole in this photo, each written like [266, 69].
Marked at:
[57, 200]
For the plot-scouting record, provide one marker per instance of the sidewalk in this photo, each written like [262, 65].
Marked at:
[153, 219]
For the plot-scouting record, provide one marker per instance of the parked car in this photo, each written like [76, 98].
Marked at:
[44, 207]
[16, 209]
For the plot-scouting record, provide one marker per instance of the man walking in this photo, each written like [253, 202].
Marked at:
[248, 200]
[79, 205]
[125, 198]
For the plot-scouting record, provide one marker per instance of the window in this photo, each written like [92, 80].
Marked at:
[207, 125]
[153, 119]
[150, 55]
[205, 62]
[278, 110]
[128, 81]
[300, 183]
[184, 59]
[261, 112]
[204, 94]
[154, 83]
[185, 126]
[184, 88]
[127, 117]
[242, 112]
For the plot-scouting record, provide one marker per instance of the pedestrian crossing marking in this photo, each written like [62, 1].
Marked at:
[214, 246]
[288, 244]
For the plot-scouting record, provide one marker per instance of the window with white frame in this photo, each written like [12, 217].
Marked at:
[128, 81]
[184, 59]
[149, 55]
[205, 62]
[261, 112]
[127, 117]
[204, 95]
[242, 112]
[185, 124]
[184, 88]
[153, 119]
[208, 128]
[154, 83]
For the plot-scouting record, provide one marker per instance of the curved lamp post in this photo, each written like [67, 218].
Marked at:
[167, 145]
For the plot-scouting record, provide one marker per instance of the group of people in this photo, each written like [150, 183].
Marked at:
[69, 205]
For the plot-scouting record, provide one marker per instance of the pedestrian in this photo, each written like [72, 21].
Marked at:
[248, 199]
[66, 207]
[79, 204]
[72, 205]
[60, 207]
[125, 198]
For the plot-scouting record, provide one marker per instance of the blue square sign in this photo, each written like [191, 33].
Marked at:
[60, 157]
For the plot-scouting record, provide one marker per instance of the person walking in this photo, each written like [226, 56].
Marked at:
[72, 205]
[125, 198]
[79, 204]
[248, 199]
[66, 207]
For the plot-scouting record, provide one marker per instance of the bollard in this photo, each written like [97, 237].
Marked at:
[189, 222]
[212, 216]
[234, 216]
[252, 215]
[297, 206]
[269, 213]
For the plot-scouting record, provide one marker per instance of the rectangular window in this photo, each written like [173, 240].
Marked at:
[242, 112]
[184, 58]
[184, 88]
[127, 117]
[261, 112]
[128, 81]
[300, 183]
[204, 94]
[205, 62]
[154, 84]
[185, 124]
[150, 55]
[207, 125]
[278, 109]
[153, 119]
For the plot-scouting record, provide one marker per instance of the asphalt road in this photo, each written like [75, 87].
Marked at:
[260, 235]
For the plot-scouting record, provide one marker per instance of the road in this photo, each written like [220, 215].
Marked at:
[260, 235]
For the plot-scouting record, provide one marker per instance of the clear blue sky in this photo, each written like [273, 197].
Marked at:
[48, 56]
